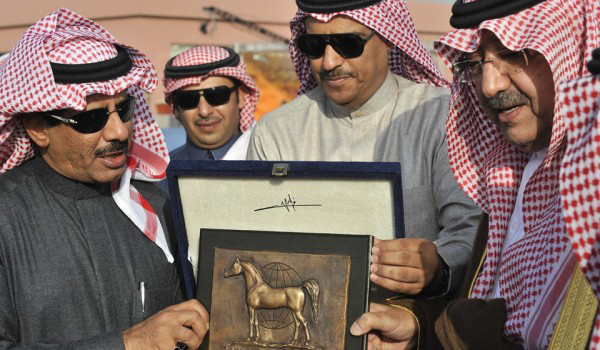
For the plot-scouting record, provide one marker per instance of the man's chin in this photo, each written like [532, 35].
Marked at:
[212, 143]
[522, 145]
[337, 97]
[524, 141]
[110, 175]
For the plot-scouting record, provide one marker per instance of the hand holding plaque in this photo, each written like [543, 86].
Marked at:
[389, 327]
[404, 265]
[186, 322]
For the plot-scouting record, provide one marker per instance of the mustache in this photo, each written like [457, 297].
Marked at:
[334, 73]
[201, 119]
[507, 99]
[113, 147]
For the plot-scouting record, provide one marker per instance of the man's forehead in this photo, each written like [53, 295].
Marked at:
[489, 42]
[100, 100]
[215, 80]
[338, 24]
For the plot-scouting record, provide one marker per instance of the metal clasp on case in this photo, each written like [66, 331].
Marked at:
[280, 169]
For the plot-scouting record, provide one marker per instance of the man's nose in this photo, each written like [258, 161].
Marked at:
[204, 108]
[493, 81]
[115, 129]
[331, 59]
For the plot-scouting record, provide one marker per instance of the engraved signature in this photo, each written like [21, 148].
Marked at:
[288, 203]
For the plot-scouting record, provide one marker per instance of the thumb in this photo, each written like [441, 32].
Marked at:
[365, 323]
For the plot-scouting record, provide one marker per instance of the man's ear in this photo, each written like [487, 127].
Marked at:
[241, 98]
[36, 128]
[176, 112]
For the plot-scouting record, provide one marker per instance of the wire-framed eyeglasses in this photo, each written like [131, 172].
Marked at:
[506, 62]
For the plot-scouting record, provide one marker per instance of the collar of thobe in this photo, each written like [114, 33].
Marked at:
[382, 97]
[65, 186]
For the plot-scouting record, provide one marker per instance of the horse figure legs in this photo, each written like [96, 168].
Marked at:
[252, 313]
[256, 326]
[299, 317]
[305, 324]
[296, 328]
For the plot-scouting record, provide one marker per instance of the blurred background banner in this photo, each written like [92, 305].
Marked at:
[257, 29]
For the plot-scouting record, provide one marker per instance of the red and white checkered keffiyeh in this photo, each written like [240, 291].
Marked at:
[208, 54]
[27, 85]
[580, 175]
[390, 18]
[533, 272]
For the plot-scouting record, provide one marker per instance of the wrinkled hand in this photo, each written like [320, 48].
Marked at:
[186, 322]
[404, 265]
[389, 328]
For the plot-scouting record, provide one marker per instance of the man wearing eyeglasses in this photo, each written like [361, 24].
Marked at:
[85, 254]
[507, 139]
[214, 98]
[371, 92]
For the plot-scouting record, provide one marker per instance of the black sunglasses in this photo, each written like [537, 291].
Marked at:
[215, 96]
[94, 120]
[348, 45]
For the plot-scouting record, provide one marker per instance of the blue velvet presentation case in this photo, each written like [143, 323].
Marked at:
[362, 198]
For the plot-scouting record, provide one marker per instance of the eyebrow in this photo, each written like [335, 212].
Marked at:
[467, 56]
[125, 97]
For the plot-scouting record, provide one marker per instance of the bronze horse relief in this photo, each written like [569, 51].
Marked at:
[260, 295]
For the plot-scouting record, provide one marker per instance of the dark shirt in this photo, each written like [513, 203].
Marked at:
[189, 151]
[71, 262]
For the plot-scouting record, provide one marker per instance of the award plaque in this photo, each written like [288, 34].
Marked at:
[309, 197]
[283, 290]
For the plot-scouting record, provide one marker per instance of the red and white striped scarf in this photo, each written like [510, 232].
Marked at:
[208, 54]
[390, 18]
[580, 176]
[27, 85]
[534, 272]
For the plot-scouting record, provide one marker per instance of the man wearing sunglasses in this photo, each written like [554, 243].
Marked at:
[85, 254]
[507, 139]
[214, 98]
[371, 92]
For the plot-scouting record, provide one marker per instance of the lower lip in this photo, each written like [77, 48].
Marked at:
[335, 82]
[207, 127]
[114, 162]
[505, 117]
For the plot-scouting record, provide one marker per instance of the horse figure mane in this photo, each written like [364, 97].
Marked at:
[249, 265]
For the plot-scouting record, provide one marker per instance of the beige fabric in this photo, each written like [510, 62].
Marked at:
[314, 128]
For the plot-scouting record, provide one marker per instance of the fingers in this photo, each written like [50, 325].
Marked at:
[363, 325]
[193, 316]
[399, 279]
[186, 323]
[399, 287]
[200, 327]
[404, 265]
[199, 315]
[405, 244]
[384, 319]
[399, 273]
[399, 258]
[376, 307]
[191, 304]
[387, 328]
[188, 337]
[372, 320]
